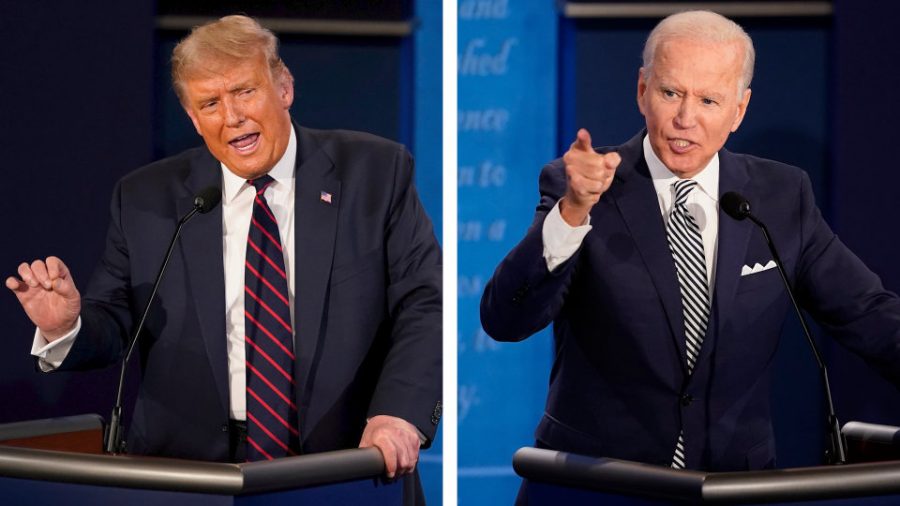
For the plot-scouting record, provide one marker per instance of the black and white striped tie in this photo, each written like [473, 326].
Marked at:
[690, 263]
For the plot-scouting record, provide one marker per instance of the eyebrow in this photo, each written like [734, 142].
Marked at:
[231, 89]
[205, 98]
[663, 85]
[718, 97]
[243, 85]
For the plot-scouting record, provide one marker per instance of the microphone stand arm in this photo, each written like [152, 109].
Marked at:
[113, 439]
[837, 451]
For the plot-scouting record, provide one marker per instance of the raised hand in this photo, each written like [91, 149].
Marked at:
[588, 176]
[49, 296]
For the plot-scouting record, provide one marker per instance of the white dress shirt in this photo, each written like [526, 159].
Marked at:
[237, 204]
[562, 240]
[237, 208]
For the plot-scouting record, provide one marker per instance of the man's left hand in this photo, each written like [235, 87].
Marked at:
[398, 441]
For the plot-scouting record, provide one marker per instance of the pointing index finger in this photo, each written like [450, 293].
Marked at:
[583, 141]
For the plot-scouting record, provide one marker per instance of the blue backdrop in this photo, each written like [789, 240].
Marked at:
[507, 130]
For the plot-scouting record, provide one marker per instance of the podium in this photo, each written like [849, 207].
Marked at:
[555, 478]
[59, 461]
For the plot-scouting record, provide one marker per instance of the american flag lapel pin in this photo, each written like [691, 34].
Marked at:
[325, 197]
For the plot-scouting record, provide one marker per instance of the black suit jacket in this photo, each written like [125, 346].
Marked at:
[619, 385]
[367, 306]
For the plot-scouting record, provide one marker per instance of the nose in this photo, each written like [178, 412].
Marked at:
[234, 114]
[687, 114]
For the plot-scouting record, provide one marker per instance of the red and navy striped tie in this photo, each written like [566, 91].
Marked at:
[271, 412]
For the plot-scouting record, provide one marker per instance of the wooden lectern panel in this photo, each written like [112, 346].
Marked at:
[86, 441]
[81, 434]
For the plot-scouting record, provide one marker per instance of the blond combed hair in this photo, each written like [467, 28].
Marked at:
[231, 38]
[704, 26]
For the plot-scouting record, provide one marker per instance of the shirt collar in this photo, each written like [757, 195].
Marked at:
[282, 172]
[707, 179]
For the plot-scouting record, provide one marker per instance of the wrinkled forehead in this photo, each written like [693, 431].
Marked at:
[727, 52]
[208, 64]
[703, 55]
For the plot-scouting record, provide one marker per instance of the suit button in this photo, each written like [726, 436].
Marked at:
[224, 427]
[519, 296]
[687, 399]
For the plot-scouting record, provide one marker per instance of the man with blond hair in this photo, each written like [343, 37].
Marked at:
[302, 315]
[666, 313]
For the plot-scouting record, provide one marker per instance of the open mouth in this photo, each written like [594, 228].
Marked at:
[245, 143]
[680, 145]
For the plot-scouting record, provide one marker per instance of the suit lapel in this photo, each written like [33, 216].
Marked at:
[734, 236]
[315, 227]
[201, 246]
[636, 199]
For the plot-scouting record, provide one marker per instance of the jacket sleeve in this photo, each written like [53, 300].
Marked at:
[523, 296]
[409, 384]
[844, 296]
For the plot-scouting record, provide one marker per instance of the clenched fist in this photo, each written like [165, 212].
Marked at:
[588, 176]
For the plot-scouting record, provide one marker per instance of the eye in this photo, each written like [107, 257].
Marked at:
[246, 92]
[708, 101]
[669, 93]
[209, 105]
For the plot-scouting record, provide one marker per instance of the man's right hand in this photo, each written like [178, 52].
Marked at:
[48, 294]
[588, 176]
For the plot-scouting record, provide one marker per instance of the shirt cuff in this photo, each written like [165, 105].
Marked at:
[51, 355]
[561, 240]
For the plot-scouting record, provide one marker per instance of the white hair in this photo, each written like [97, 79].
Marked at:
[705, 26]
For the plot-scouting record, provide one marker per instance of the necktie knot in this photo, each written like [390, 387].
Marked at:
[683, 188]
[261, 183]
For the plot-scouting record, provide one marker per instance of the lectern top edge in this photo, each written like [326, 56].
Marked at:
[155, 473]
[648, 481]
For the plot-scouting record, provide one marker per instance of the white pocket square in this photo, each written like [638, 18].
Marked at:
[747, 270]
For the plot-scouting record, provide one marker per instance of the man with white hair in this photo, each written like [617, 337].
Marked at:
[666, 313]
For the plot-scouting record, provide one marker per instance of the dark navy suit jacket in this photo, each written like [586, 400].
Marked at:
[619, 385]
[367, 305]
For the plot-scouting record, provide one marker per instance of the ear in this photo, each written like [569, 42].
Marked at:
[742, 110]
[286, 90]
[641, 89]
[191, 114]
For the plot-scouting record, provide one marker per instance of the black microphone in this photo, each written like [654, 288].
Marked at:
[735, 205]
[204, 202]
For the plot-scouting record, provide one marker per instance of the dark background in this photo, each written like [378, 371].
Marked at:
[85, 98]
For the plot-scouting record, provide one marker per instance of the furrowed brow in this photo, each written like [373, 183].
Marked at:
[241, 86]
